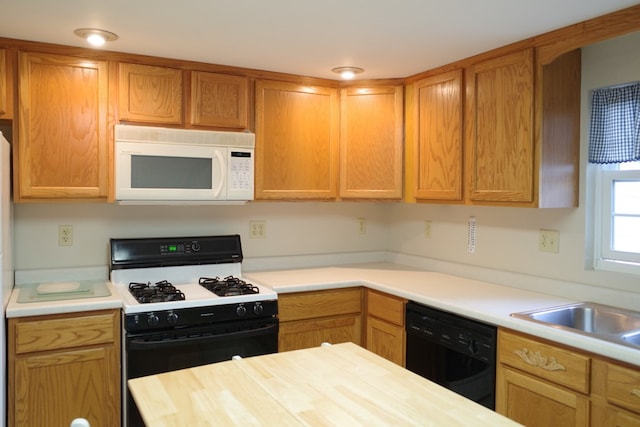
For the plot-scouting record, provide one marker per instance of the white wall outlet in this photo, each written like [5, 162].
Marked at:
[549, 241]
[65, 235]
[362, 226]
[257, 229]
[427, 229]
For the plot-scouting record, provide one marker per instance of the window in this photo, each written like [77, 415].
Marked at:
[614, 145]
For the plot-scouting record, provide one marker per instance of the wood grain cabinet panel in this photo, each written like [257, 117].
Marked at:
[540, 383]
[522, 141]
[501, 137]
[438, 130]
[297, 131]
[54, 378]
[537, 403]
[64, 139]
[219, 100]
[371, 142]
[6, 84]
[150, 94]
[307, 319]
[385, 331]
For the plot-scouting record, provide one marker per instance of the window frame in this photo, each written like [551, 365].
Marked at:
[606, 258]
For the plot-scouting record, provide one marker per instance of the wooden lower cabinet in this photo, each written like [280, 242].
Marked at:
[385, 332]
[307, 319]
[540, 383]
[535, 402]
[62, 367]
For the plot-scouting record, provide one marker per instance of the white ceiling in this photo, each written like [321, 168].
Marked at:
[388, 38]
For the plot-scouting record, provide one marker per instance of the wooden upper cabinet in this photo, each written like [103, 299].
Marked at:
[219, 100]
[523, 130]
[150, 94]
[371, 142]
[63, 145]
[500, 122]
[297, 131]
[438, 130]
[6, 85]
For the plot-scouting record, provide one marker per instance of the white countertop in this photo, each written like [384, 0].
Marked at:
[72, 305]
[482, 301]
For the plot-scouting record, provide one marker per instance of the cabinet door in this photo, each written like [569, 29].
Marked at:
[54, 388]
[150, 94]
[501, 137]
[6, 85]
[313, 332]
[296, 141]
[438, 131]
[371, 142]
[536, 403]
[386, 339]
[63, 145]
[219, 100]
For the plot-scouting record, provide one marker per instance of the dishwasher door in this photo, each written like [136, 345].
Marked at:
[454, 352]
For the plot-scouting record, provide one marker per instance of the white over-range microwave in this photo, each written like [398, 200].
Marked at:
[175, 166]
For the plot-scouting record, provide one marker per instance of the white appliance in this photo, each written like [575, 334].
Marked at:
[6, 280]
[175, 166]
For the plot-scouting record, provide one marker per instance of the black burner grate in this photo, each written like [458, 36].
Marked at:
[229, 286]
[158, 292]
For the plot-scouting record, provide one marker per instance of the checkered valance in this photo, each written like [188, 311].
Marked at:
[615, 124]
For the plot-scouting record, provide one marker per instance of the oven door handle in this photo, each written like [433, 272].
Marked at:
[136, 343]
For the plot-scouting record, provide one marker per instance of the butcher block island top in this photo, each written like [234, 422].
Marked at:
[338, 385]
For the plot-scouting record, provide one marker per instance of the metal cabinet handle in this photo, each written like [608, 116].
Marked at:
[540, 361]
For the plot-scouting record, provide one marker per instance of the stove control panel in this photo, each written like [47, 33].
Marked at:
[168, 319]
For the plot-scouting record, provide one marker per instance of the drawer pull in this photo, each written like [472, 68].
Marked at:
[537, 359]
[636, 392]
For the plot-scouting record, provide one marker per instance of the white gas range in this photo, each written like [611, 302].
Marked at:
[185, 304]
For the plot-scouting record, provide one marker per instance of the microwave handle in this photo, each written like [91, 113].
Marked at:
[221, 178]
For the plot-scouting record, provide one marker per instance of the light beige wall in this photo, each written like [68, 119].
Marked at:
[507, 238]
[293, 229]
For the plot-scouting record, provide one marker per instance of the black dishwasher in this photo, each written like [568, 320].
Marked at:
[453, 351]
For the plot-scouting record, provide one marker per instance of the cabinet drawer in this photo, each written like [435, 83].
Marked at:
[552, 363]
[308, 305]
[386, 307]
[54, 332]
[623, 387]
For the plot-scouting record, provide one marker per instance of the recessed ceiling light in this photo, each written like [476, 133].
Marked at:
[95, 37]
[347, 73]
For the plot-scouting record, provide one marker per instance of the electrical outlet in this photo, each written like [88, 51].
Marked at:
[257, 229]
[65, 235]
[549, 241]
[427, 229]
[362, 226]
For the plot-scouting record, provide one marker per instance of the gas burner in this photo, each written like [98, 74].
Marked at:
[158, 292]
[229, 286]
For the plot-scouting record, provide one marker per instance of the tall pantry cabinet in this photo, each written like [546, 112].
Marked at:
[63, 150]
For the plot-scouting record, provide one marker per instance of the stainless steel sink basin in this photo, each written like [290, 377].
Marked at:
[605, 322]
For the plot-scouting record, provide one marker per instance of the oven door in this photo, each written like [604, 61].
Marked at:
[154, 353]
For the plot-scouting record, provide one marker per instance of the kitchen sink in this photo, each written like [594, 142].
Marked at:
[600, 321]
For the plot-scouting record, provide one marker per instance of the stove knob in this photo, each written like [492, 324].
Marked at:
[258, 309]
[153, 320]
[241, 310]
[172, 318]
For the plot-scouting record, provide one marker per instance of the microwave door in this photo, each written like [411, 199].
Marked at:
[171, 172]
